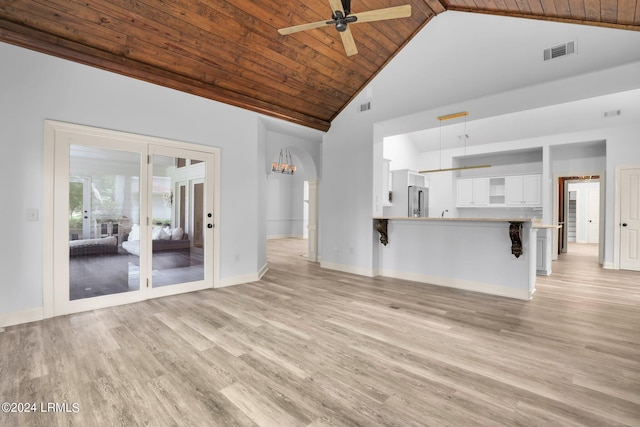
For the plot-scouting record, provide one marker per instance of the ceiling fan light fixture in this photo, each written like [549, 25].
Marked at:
[341, 18]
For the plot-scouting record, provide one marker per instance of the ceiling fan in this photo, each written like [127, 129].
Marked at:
[341, 17]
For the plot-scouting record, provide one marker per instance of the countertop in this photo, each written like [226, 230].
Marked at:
[407, 218]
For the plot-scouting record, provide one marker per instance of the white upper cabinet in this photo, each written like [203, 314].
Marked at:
[500, 191]
[473, 192]
[523, 190]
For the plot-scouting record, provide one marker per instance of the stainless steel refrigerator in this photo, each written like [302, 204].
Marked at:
[418, 201]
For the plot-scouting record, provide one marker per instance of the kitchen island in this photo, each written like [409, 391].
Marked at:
[490, 255]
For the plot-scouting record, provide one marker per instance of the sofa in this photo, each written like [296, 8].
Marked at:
[96, 267]
[171, 248]
[103, 246]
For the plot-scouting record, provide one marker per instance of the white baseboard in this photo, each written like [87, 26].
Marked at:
[347, 269]
[467, 285]
[247, 278]
[22, 316]
[263, 271]
[609, 266]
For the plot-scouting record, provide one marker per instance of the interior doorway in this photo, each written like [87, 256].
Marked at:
[292, 203]
[580, 208]
[583, 212]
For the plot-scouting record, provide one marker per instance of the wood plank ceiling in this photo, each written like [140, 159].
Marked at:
[230, 51]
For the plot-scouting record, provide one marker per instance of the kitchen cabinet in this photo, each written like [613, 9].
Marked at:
[523, 190]
[472, 192]
[543, 250]
[500, 191]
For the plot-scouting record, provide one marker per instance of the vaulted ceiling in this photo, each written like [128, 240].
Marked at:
[230, 50]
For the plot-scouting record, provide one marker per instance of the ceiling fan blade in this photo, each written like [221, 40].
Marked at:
[303, 27]
[336, 5]
[348, 42]
[382, 14]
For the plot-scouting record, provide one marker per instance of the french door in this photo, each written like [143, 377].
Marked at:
[132, 219]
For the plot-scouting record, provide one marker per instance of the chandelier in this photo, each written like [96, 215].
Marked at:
[284, 164]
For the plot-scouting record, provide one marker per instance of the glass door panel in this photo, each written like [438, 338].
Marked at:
[177, 236]
[104, 198]
[198, 214]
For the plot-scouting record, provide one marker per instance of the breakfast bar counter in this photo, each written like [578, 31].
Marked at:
[490, 255]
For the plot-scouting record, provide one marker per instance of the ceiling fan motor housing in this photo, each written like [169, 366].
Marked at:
[341, 20]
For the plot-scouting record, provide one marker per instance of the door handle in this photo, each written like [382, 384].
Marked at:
[209, 225]
[624, 224]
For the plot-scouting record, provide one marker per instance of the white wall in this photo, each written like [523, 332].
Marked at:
[402, 153]
[284, 206]
[35, 87]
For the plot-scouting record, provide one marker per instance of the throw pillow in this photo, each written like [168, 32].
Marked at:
[176, 233]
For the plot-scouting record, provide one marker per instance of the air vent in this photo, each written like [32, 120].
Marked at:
[559, 51]
[612, 113]
[365, 107]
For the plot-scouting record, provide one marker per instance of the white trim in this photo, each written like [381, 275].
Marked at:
[555, 203]
[348, 269]
[239, 280]
[616, 219]
[263, 271]
[312, 220]
[23, 316]
[47, 219]
[609, 266]
[467, 285]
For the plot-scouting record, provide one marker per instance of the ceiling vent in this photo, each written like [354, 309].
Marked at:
[559, 51]
[612, 113]
[365, 107]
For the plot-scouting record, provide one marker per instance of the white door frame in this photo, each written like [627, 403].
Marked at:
[590, 192]
[86, 182]
[312, 223]
[53, 129]
[554, 214]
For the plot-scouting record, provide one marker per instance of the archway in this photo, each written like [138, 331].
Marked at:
[278, 200]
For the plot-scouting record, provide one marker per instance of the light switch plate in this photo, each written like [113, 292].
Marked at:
[32, 214]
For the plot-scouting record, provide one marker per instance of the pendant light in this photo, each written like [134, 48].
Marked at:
[465, 137]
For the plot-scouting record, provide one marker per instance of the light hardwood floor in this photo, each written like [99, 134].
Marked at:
[312, 347]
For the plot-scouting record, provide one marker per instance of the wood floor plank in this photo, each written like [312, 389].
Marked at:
[306, 346]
